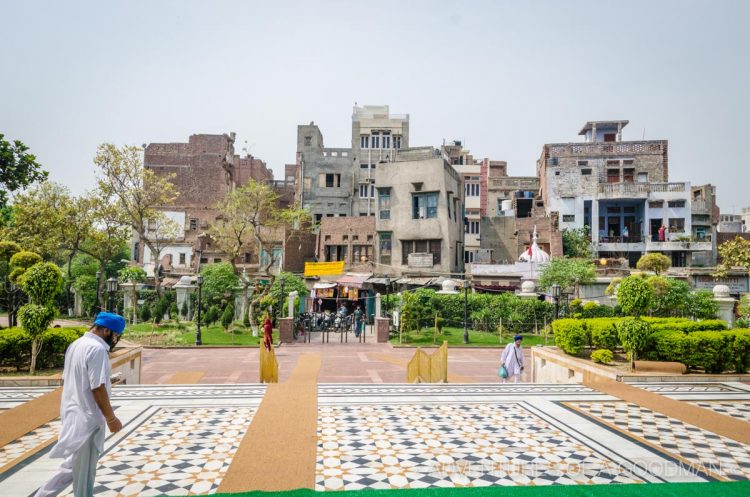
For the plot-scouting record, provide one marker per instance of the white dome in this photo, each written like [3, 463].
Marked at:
[534, 253]
[721, 291]
[528, 286]
[449, 287]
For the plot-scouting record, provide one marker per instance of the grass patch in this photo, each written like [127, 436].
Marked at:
[183, 333]
[455, 338]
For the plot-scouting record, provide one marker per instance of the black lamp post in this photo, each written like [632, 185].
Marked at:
[387, 289]
[281, 300]
[198, 340]
[466, 311]
[112, 286]
[12, 320]
[556, 295]
[98, 286]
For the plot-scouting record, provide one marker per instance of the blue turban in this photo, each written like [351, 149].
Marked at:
[517, 337]
[110, 321]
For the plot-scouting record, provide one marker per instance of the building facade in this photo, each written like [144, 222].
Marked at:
[620, 191]
[420, 200]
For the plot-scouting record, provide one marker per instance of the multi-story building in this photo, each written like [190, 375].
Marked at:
[420, 199]
[338, 182]
[705, 217]
[205, 170]
[620, 191]
[745, 214]
[731, 223]
[471, 173]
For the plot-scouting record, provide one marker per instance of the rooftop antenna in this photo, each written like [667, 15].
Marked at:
[644, 133]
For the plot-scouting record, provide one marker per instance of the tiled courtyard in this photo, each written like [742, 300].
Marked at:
[180, 440]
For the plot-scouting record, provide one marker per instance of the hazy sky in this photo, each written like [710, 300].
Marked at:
[504, 76]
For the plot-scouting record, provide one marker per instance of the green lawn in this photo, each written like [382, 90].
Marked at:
[172, 334]
[455, 337]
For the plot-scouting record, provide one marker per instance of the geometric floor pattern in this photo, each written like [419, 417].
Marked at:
[715, 454]
[178, 451]
[29, 441]
[456, 445]
[180, 439]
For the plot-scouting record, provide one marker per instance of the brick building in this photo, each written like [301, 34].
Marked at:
[206, 169]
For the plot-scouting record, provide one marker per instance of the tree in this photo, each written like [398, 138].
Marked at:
[655, 262]
[219, 281]
[273, 296]
[133, 275]
[146, 313]
[7, 250]
[42, 282]
[184, 311]
[227, 317]
[18, 168]
[669, 296]
[251, 222]
[20, 262]
[576, 242]
[634, 335]
[700, 304]
[567, 272]
[634, 295]
[733, 253]
[137, 193]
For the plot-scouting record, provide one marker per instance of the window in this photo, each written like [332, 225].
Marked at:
[335, 253]
[327, 238]
[557, 173]
[345, 237]
[217, 260]
[424, 205]
[613, 175]
[361, 253]
[369, 238]
[193, 224]
[385, 248]
[609, 137]
[204, 260]
[367, 191]
[332, 180]
[308, 141]
[396, 141]
[136, 251]
[364, 165]
[586, 172]
[642, 177]
[318, 218]
[362, 214]
[656, 204]
[676, 203]
[472, 189]
[364, 141]
[628, 175]
[569, 218]
[472, 227]
[375, 141]
[583, 163]
[676, 225]
[420, 247]
[469, 256]
[384, 203]
[355, 237]
[182, 258]
[386, 141]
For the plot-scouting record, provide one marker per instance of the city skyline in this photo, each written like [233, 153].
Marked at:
[505, 78]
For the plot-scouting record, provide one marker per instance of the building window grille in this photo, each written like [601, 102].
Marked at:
[384, 203]
[385, 248]
[424, 205]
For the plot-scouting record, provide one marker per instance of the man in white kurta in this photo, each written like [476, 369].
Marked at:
[85, 407]
[512, 359]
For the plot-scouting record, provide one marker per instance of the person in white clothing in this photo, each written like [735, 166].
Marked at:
[512, 359]
[85, 407]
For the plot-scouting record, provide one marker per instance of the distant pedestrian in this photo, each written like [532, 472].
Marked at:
[512, 359]
[267, 333]
[357, 321]
[85, 407]
[662, 233]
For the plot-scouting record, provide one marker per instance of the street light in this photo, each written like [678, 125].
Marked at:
[281, 300]
[98, 286]
[112, 286]
[198, 340]
[12, 319]
[556, 295]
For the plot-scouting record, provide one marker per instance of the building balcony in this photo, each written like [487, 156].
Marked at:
[700, 207]
[672, 246]
[638, 190]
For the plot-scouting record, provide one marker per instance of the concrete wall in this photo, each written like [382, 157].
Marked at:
[404, 180]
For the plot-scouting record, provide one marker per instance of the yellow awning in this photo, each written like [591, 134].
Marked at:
[323, 268]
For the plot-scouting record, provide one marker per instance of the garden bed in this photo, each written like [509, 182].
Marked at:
[455, 338]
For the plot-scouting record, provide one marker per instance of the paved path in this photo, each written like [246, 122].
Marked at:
[62, 323]
[341, 363]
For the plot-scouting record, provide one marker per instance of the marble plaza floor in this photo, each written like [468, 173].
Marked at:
[181, 439]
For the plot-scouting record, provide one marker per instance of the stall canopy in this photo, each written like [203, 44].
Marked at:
[354, 280]
[323, 284]
[416, 281]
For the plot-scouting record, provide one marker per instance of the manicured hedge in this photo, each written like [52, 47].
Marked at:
[15, 346]
[685, 325]
[712, 351]
[570, 335]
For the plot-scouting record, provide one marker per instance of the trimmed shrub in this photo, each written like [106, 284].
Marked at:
[570, 335]
[603, 333]
[712, 351]
[594, 310]
[145, 313]
[741, 350]
[15, 346]
[634, 335]
[685, 325]
[602, 356]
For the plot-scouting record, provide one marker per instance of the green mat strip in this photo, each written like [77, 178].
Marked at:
[713, 489]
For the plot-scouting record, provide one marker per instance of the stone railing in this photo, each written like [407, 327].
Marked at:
[640, 189]
[605, 148]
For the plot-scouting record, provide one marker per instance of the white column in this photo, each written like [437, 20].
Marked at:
[290, 304]
[595, 220]
[377, 305]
